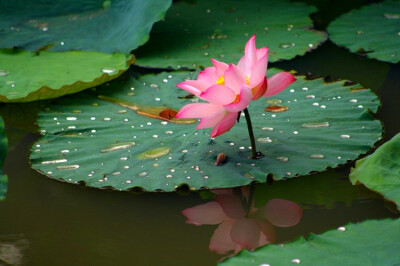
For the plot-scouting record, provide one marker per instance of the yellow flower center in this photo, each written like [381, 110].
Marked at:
[221, 80]
[247, 79]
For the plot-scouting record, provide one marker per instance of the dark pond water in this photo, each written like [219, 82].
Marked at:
[46, 222]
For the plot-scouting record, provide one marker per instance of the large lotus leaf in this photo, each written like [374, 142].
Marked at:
[373, 29]
[91, 25]
[380, 171]
[193, 33]
[3, 151]
[368, 243]
[28, 76]
[111, 140]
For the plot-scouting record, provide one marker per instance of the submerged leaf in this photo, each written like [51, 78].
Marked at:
[29, 77]
[326, 125]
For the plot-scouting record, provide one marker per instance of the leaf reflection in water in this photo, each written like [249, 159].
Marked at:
[241, 227]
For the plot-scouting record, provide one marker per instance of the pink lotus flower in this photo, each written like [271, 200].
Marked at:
[229, 89]
[236, 230]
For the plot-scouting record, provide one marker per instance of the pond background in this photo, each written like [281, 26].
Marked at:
[54, 223]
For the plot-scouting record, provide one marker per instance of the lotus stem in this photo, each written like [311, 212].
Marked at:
[251, 134]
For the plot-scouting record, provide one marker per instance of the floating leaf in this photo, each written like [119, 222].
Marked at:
[27, 76]
[193, 33]
[381, 170]
[326, 125]
[373, 30]
[368, 243]
[95, 25]
[3, 151]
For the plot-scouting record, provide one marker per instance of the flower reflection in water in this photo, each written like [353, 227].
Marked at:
[241, 225]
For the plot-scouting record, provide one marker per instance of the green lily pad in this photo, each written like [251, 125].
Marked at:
[380, 171]
[368, 243]
[95, 25]
[3, 151]
[373, 29]
[108, 138]
[193, 33]
[27, 76]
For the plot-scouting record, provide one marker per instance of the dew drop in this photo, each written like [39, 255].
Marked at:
[286, 45]
[264, 140]
[118, 146]
[93, 118]
[116, 173]
[71, 127]
[168, 176]
[109, 71]
[93, 131]
[292, 90]
[128, 181]
[392, 16]
[3, 73]
[360, 106]
[267, 129]
[165, 80]
[184, 151]
[353, 100]
[274, 101]
[55, 161]
[241, 148]
[342, 229]
[154, 153]
[309, 96]
[122, 111]
[143, 174]
[123, 158]
[64, 151]
[154, 86]
[276, 108]
[315, 104]
[345, 136]
[169, 132]
[323, 106]
[315, 125]
[155, 136]
[304, 89]
[317, 156]
[295, 261]
[71, 118]
[67, 167]
[107, 119]
[283, 159]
